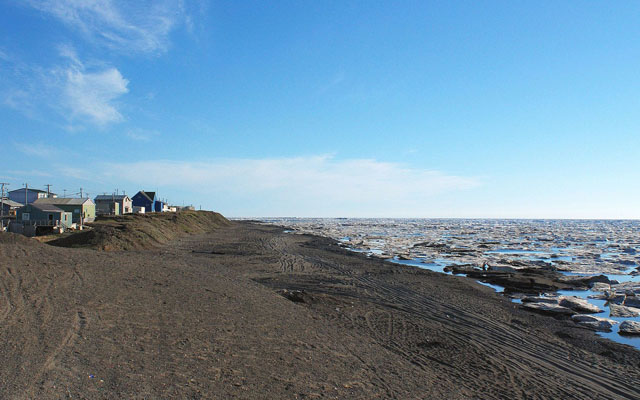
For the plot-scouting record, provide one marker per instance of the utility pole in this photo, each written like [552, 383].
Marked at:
[2, 203]
[26, 188]
[80, 192]
[65, 192]
[48, 190]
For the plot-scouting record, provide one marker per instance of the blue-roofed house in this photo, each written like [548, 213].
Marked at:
[147, 200]
[144, 199]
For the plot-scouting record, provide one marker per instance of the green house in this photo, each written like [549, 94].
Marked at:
[44, 215]
[79, 207]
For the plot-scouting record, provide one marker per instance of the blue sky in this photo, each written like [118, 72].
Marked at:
[328, 108]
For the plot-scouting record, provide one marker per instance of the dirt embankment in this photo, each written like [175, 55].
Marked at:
[139, 231]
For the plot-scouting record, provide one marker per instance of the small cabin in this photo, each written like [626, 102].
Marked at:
[44, 215]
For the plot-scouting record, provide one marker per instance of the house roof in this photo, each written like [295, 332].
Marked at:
[31, 190]
[12, 203]
[149, 195]
[64, 201]
[111, 197]
[46, 207]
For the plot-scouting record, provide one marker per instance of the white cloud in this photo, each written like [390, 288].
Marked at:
[318, 185]
[91, 94]
[139, 26]
[77, 93]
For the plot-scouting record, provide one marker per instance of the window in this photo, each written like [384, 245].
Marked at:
[26, 216]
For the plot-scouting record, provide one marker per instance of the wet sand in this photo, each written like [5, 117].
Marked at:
[247, 311]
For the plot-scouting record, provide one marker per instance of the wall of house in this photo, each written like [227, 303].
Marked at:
[126, 206]
[42, 217]
[106, 208]
[89, 212]
[140, 201]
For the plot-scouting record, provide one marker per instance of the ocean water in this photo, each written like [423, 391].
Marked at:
[573, 247]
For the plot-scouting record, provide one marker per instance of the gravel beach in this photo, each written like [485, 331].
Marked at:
[247, 311]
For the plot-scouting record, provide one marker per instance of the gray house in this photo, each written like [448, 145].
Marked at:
[28, 196]
[44, 215]
[113, 204]
[83, 209]
[9, 207]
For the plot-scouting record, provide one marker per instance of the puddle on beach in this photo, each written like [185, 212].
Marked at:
[573, 247]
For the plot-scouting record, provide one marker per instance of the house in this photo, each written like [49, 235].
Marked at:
[29, 195]
[147, 200]
[79, 207]
[44, 215]
[113, 204]
[158, 206]
[9, 207]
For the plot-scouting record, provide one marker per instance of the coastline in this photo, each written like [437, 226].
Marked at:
[578, 261]
[250, 311]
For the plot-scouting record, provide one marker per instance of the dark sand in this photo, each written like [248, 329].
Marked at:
[207, 317]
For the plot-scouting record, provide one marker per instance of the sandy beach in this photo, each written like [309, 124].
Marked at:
[247, 311]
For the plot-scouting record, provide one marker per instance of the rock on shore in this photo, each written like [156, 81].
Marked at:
[623, 312]
[597, 323]
[630, 328]
[559, 304]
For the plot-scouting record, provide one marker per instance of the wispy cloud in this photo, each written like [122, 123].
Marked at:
[19, 99]
[317, 185]
[127, 26]
[84, 92]
[78, 94]
[36, 149]
[142, 135]
[91, 94]
[30, 173]
[336, 80]
[77, 173]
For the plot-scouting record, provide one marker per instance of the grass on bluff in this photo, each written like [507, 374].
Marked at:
[139, 231]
